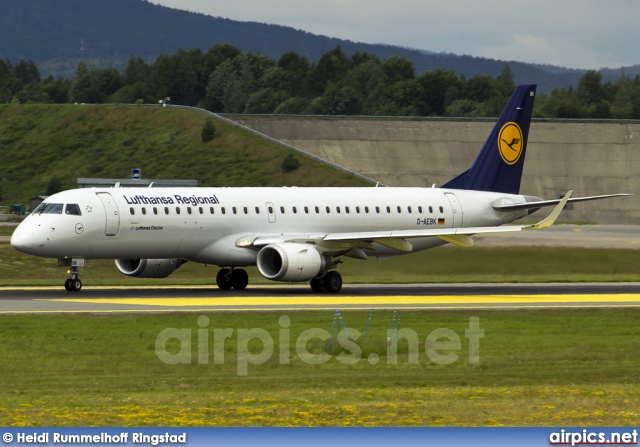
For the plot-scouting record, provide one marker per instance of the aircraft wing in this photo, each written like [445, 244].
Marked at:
[542, 203]
[398, 239]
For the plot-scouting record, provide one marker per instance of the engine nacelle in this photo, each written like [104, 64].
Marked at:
[290, 262]
[148, 268]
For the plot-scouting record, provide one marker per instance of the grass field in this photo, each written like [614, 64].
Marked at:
[536, 368]
[562, 368]
[66, 142]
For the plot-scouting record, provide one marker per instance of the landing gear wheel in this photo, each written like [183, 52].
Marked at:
[67, 284]
[223, 279]
[317, 285]
[333, 282]
[75, 285]
[239, 279]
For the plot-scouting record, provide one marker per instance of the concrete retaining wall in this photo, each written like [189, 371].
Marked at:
[590, 158]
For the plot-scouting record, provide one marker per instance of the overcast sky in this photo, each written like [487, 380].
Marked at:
[587, 34]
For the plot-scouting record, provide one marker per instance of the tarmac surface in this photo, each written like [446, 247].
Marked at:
[300, 297]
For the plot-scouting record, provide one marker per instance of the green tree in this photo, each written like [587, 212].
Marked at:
[439, 88]
[208, 130]
[293, 106]
[590, 90]
[331, 68]
[290, 163]
[137, 70]
[398, 68]
[296, 71]
[504, 81]
[95, 86]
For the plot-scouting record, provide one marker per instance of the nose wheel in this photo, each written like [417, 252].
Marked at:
[73, 284]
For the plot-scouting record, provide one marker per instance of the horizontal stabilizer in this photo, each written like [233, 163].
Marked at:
[543, 203]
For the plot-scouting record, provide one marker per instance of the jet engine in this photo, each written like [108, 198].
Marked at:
[290, 262]
[148, 268]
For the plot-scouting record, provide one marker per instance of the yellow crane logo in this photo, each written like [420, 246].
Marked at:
[510, 143]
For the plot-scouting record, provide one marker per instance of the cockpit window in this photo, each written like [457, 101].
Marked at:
[49, 208]
[72, 209]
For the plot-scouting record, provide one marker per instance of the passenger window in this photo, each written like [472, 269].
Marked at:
[257, 210]
[246, 211]
[317, 210]
[366, 209]
[388, 210]
[166, 210]
[132, 211]
[431, 210]
[144, 210]
[73, 209]
[358, 209]
[409, 209]
[338, 209]
[295, 210]
[306, 210]
[420, 210]
[346, 209]
[441, 210]
[211, 210]
[224, 211]
[282, 209]
[189, 209]
[270, 210]
[399, 210]
[177, 210]
[234, 210]
[201, 210]
[378, 209]
[328, 210]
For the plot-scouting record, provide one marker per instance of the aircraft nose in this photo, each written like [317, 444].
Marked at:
[22, 240]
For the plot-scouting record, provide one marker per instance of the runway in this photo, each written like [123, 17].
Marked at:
[104, 300]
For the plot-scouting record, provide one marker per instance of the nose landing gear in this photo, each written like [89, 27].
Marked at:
[72, 284]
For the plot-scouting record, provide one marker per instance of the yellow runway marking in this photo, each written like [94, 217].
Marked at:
[309, 301]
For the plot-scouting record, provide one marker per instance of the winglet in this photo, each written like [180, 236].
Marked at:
[551, 218]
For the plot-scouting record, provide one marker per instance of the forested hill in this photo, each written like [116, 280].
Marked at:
[58, 34]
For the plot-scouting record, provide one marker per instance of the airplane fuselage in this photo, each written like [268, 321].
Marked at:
[205, 224]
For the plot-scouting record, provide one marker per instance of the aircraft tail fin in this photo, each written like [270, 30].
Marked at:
[499, 164]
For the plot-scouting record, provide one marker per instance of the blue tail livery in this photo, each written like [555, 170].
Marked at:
[499, 164]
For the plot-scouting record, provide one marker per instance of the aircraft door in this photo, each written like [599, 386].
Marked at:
[112, 224]
[271, 210]
[456, 209]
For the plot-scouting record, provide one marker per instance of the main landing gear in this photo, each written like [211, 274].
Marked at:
[330, 282]
[232, 278]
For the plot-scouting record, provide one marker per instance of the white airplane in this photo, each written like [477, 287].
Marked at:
[291, 234]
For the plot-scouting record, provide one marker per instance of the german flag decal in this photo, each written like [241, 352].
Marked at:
[440, 221]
